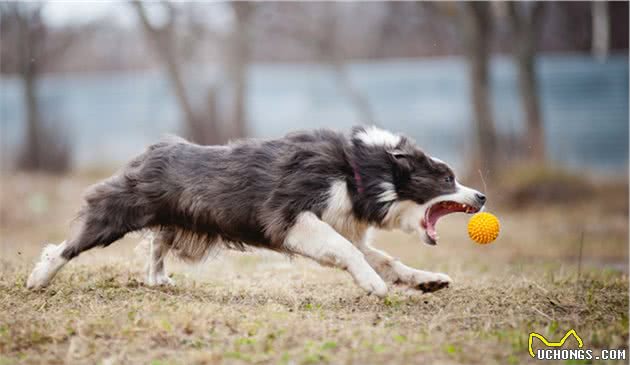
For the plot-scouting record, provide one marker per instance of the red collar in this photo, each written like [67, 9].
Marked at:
[357, 177]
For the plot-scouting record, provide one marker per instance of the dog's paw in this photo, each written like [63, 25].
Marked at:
[372, 283]
[37, 279]
[437, 282]
[49, 263]
[379, 289]
[165, 280]
[159, 280]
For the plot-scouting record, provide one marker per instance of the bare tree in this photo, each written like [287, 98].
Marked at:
[333, 55]
[601, 30]
[317, 25]
[475, 27]
[238, 64]
[201, 127]
[525, 21]
[24, 51]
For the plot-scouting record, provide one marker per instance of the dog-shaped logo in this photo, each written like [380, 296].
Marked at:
[553, 344]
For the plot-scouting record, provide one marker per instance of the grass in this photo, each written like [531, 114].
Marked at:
[263, 308]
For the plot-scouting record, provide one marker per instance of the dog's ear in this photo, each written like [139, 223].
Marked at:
[401, 159]
[356, 130]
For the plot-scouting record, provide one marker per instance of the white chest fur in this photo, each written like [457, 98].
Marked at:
[338, 213]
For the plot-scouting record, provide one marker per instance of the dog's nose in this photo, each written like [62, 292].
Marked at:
[480, 198]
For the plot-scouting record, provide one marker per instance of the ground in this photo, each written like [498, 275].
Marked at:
[554, 268]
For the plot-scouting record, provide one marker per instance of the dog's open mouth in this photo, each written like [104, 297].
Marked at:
[437, 211]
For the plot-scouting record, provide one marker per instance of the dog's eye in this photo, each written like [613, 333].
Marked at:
[449, 179]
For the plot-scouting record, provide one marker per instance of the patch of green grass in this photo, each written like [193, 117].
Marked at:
[246, 309]
[329, 345]
[450, 349]
[469, 323]
[400, 338]
[237, 355]
[378, 348]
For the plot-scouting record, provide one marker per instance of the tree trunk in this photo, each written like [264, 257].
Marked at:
[525, 25]
[42, 148]
[486, 135]
[601, 30]
[240, 102]
[239, 59]
[194, 126]
[334, 56]
[476, 31]
[31, 156]
[529, 99]
[200, 130]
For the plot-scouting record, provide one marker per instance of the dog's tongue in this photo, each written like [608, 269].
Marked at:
[439, 210]
[436, 213]
[432, 233]
[429, 228]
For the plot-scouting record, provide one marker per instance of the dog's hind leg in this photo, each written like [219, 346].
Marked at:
[313, 238]
[160, 245]
[107, 217]
[91, 234]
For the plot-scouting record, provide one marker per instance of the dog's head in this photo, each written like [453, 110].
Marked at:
[414, 188]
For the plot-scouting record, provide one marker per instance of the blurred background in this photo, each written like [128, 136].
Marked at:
[527, 100]
[482, 85]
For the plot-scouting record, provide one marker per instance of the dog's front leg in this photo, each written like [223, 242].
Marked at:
[394, 271]
[315, 239]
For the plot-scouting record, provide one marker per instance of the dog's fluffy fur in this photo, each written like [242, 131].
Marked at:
[314, 194]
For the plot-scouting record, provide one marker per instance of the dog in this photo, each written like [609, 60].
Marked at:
[316, 194]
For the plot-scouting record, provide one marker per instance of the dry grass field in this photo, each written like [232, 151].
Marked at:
[259, 307]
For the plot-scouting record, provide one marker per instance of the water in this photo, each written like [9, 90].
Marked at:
[110, 117]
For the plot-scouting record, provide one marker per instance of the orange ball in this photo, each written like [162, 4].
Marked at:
[483, 228]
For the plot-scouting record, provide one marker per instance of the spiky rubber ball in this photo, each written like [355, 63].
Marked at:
[483, 228]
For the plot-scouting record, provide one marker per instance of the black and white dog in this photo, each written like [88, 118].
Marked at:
[315, 194]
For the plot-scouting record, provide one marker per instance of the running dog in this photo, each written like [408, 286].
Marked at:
[316, 194]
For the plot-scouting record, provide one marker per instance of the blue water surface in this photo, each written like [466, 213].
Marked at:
[111, 116]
